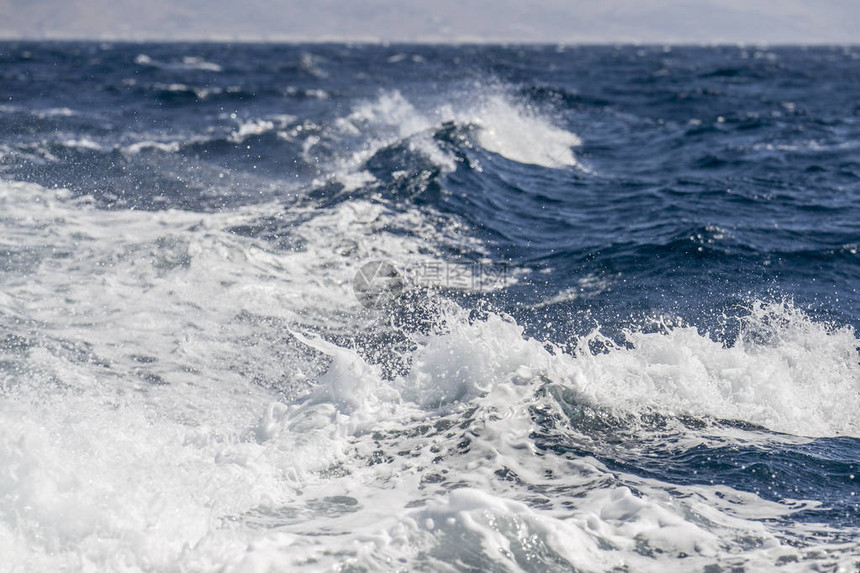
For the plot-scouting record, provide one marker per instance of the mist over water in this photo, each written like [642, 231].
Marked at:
[428, 308]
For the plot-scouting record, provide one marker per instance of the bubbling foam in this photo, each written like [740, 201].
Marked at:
[502, 125]
[135, 432]
[786, 372]
[521, 135]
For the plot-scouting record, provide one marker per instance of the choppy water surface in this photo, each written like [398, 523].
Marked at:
[368, 308]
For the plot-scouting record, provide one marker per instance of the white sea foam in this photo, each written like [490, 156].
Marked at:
[245, 128]
[519, 134]
[502, 126]
[186, 63]
[259, 126]
[165, 146]
[83, 143]
[787, 373]
[40, 113]
[55, 112]
[389, 119]
[145, 419]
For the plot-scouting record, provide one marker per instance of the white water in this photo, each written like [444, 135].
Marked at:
[502, 126]
[496, 121]
[186, 63]
[147, 419]
[523, 136]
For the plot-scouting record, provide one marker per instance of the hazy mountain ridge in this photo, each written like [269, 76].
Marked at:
[656, 21]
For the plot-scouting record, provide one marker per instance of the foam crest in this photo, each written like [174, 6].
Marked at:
[485, 375]
[354, 387]
[186, 63]
[502, 125]
[786, 372]
[389, 119]
[519, 134]
[165, 404]
[472, 360]
[246, 129]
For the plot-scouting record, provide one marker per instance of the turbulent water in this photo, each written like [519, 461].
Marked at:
[363, 308]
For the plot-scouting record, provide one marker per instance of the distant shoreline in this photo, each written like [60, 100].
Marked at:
[358, 41]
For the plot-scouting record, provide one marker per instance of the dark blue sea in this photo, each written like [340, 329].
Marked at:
[429, 308]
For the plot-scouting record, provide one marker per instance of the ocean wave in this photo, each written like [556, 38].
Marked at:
[393, 124]
[503, 127]
[182, 92]
[344, 307]
[185, 63]
[240, 372]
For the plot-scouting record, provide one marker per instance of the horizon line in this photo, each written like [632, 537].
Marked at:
[423, 41]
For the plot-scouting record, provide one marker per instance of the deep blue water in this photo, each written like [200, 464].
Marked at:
[624, 192]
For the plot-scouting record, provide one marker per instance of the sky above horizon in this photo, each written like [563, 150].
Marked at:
[566, 21]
